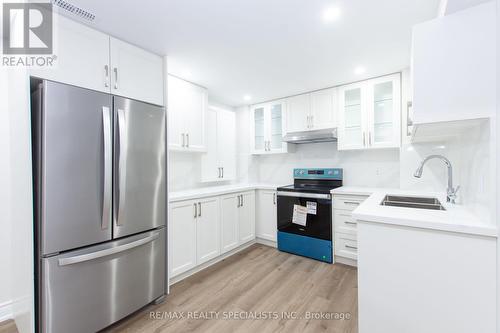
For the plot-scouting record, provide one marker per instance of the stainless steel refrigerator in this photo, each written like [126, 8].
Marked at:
[99, 184]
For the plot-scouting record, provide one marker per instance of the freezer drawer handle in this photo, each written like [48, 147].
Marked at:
[106, 195]
[107, 252]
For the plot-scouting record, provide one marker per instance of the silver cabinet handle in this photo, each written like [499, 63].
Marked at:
[274, 198]
[308, 122]
[106, 190]
[364, 139]
[195, 210]
[106, 76]
[242, 202]
[349, 222]
[238, 205]
[222, 172]
[370, 138]
[122, 163]
[351, 247]
[351, 203]
[218, 175]
[107, 252]
[183, 140]
[187, 140]
[312, 121]
[115, 70]
[199, 209]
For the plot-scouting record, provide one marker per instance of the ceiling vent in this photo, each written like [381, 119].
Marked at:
[75, 10]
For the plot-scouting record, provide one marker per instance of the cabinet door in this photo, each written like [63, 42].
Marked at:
[229, 222]
[384, 109]
[226, 143]
[276, 128]
[182, 237]
[207, 230]
[298, 113]
[135, 73]
[266, 225]
[195, 104]
[247, 217]
[258, 129]
[323, 109]
[210, 167]
[352, 117]
[176, 89]
[82, 57]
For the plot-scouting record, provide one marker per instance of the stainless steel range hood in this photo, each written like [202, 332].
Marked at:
[323, 135]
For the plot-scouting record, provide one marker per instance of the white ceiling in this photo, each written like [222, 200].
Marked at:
[267, 48]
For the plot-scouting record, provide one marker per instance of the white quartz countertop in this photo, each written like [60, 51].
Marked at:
[355, 190]
[456, 218]
[217, 190]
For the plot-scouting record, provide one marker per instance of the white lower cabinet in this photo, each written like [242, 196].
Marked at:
[266, 222]
[229, 221]
[203, 229]
[207, 230]
[237, 219]
[345, 227]
[182, 237]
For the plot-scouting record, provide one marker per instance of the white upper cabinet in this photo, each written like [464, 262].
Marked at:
[82, 57]
[298, 113]
[187, 105]
[219, 163]
[324, 109]
[267, 123]
[370, 114]
[90, 59]
[136, 73]
[313, 111]
[454, 66]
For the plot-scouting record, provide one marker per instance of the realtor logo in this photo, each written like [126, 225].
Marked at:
[27, 28]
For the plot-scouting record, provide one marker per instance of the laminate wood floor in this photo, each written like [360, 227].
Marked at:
[8, 326]
[294, 293]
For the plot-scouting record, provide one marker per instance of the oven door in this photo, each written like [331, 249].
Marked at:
[318, 223]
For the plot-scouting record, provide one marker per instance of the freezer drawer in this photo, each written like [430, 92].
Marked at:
[87, 290]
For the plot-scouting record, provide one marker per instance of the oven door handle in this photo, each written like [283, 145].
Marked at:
[304, 195]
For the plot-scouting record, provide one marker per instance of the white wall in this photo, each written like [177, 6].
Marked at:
[5, 227]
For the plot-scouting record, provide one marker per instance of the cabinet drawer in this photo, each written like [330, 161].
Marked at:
[346, 246]
[347, 203]
[344, 223]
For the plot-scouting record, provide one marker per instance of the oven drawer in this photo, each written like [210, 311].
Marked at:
[344, 223]
[346, 246]
[347, 202]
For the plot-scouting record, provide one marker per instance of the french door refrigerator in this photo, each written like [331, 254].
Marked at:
[99, 180]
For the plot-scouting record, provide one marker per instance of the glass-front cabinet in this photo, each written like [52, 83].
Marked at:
[370, 114]
[267, 128]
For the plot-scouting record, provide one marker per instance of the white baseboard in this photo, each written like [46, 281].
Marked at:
[346, 261]
[5, 311]
[266, 242]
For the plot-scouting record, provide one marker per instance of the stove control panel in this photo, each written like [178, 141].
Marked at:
[328, 173]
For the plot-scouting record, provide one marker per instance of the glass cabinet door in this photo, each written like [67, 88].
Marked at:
[383, 105]
[276, 119]
[384, 95]
[352, 117]
[259, 128]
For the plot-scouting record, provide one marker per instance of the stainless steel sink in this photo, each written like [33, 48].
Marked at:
[412, 202]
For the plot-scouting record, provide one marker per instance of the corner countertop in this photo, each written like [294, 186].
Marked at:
[456, 218]
[209, 191]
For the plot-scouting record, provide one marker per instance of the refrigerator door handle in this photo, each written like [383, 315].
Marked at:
[107, 252]
[106, 191]
[122, 163]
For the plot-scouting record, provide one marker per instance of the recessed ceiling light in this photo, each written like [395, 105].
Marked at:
[331, 14]
[247, 97]
[359, 70]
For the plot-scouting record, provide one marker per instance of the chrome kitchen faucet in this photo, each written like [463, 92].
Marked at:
[451, 193]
